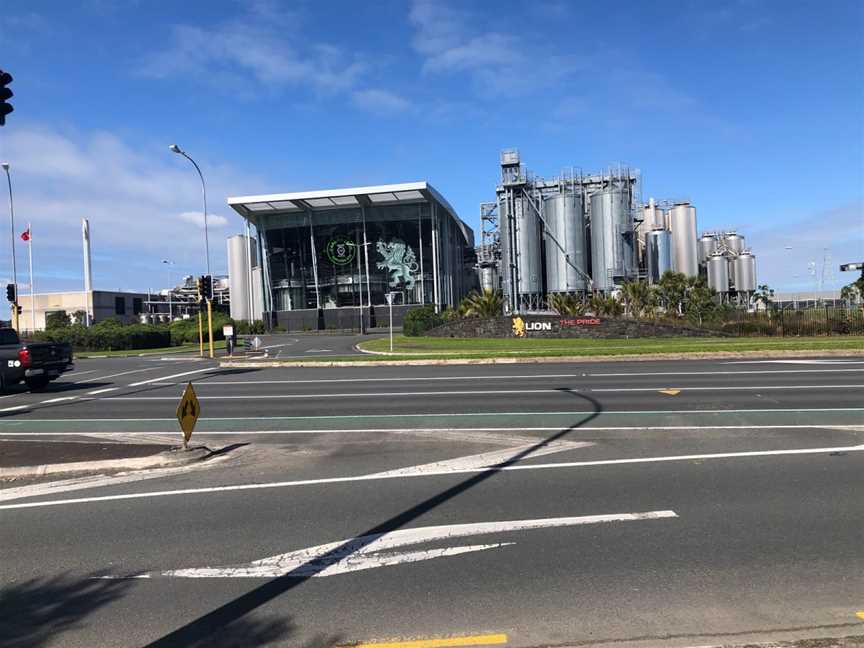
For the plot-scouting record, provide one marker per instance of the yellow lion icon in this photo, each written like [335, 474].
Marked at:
[518, 327]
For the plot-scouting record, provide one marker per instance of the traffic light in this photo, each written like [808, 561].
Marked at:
[20, 310]
[10, 293]
[5, 95]
[199, 285]
[207, 287]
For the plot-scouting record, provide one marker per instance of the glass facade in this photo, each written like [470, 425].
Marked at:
[332, 258]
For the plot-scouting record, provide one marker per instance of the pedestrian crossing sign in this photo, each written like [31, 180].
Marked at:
[188, 412]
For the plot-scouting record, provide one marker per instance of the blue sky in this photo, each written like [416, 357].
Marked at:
[752, 110]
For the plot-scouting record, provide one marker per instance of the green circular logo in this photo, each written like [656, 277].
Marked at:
[341, 250]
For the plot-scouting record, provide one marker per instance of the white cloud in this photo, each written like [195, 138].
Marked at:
[267, 43]
[498, 61]
[381, 102]
[140, 201]
[197, 218]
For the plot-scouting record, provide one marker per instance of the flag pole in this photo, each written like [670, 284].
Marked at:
[32, 287]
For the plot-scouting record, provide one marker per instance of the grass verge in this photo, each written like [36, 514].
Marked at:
[462, 348]
[135, 353]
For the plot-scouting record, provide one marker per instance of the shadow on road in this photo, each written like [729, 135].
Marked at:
[35, 611]
[208, 627]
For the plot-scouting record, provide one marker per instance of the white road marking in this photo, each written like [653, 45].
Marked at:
[347, 395]
[805, 362]
[714, 373]
[371, 551]
[364, 380]
[359, 478]
[452, 414]
[14, 408]
[485, 459]
[319, 350]
[75, 374]
[58, 400]
[557, 428]
[103, 391]
[727, 388]
[185, 373]
[116, 375]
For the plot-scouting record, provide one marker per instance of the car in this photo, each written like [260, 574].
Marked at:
[33, 363]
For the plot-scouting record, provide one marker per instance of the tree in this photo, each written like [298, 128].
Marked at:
[672, 291]
[764, 296]
[56, 320]
[608, 306]
[854, 292]
[568, 305]
[701, 303]
[78, 317]
[638, 297]
[489, 303]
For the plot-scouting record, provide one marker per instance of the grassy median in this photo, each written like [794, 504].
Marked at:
[433, 347]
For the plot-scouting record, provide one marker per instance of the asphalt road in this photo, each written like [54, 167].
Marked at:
[636, 503]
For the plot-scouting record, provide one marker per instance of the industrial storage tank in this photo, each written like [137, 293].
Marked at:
[658, 250]
[745, 272]
[565, 223]
[613, 256]
[525, 241]
[734, 242]
[707, 246]
[682, 224]
[718, 273]
[489, 278]
[238, 275]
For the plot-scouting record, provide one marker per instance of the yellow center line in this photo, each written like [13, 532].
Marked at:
[472, 640]
[860, 615]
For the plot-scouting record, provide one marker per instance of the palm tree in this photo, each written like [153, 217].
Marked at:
[608, 306]
[568, 305]
[489, 303]
[637, 297]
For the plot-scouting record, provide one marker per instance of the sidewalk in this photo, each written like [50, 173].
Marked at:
[19, 459]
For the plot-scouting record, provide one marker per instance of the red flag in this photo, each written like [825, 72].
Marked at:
[25, 235]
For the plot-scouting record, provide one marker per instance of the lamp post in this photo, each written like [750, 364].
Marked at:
[170, 290]
[176, 149]
[5, 166]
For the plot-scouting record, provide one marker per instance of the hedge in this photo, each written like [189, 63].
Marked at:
[419, 320]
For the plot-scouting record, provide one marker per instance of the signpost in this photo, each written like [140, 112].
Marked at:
[188, 411]
[389, 296]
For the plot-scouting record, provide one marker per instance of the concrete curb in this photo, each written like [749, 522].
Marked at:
[699, 355]
[165, 459]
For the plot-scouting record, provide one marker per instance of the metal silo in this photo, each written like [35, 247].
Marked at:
[658, 250]
[489, 279]
[745, 272]
[565, 223]
[718, 273]
[612, 252]
[707, 246]
[734, 242]
[682, 224]
[520, 248]
[238, 275]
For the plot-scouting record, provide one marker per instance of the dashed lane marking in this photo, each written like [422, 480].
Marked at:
[729, 388]
[161, 378]
[102, 391]
[375, 477]
[58, 400]
[471, 640]
[15, 408]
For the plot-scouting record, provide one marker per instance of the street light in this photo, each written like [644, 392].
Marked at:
[176, 149]
[5, 166]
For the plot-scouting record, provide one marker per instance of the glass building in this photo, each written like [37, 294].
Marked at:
[344, 249]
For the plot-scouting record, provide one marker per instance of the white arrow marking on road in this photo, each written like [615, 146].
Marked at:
[369, 552]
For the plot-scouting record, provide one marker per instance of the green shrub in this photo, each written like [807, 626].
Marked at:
[249, 328]
[108, 336]
[421, 319]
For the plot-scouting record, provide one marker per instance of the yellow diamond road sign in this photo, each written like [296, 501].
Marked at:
[188, 412]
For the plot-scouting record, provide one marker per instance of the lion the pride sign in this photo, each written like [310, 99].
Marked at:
[581, 321]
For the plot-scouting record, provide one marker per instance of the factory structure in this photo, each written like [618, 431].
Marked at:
[590, 233]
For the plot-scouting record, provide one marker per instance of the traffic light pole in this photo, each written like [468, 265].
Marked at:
[200, 332]
[210, 325]
[15, 322]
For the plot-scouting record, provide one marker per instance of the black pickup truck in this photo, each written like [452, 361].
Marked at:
[35, 363]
